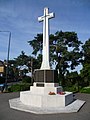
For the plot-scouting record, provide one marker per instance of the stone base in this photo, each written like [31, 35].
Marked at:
[42, 100]
[73, 107]
[38, 100]
[48, 87]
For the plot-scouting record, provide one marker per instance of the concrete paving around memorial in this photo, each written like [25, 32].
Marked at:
[6, 113]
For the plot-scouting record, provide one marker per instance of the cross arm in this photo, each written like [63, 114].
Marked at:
[40, 19]
[51, 15]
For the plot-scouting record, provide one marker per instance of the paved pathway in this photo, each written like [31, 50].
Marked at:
[9, 114]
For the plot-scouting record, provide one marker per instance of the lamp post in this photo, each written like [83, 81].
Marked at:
[7, 56]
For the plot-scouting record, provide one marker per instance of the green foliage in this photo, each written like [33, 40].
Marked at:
[26, 79]
[73, 88]
[85, 72]
[72, 78]
[24, 85]
[22, 59]
[37, 62]
[72, 82]
[67, 50]
[66, 53]
[36, 43]
[85, 90]
[19, 87]
[64, 50]
[86, 51]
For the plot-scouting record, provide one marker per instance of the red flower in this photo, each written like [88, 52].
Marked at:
[51, 93]
[61, 93]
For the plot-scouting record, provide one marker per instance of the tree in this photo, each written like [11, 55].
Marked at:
[85, 72]
[31, 62]
[64, 50]
[73, 79]
[22, 59]
[36, 43]
[86, 51]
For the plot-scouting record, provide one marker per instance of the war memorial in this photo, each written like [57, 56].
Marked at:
[46, 96]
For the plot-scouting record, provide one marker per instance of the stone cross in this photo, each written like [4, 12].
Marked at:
[45, 18]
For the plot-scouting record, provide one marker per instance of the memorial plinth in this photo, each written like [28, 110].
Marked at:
[45, 100]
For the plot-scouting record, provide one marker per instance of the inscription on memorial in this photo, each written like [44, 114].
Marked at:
[46, 76]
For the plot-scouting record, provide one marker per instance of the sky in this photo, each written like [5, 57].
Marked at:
[20, 17]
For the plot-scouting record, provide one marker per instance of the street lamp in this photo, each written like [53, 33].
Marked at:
[7, 55]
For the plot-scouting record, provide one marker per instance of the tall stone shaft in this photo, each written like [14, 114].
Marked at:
[45, 18]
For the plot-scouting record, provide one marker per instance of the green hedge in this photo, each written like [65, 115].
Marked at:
[85, 90]
[26, 79]
[73, 88]
[19, 87]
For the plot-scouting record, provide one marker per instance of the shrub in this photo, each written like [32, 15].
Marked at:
[26, 79]
[19, 87]
[85, 90]
[73, 88]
